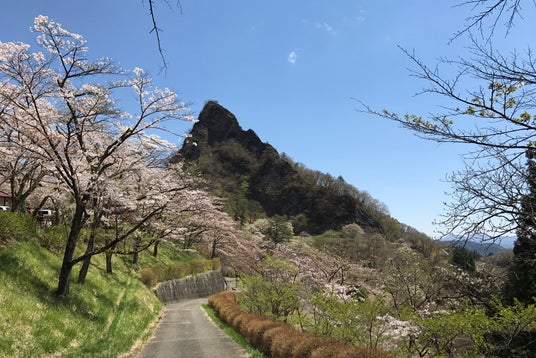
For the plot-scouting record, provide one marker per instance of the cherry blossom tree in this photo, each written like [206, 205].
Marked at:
[20, 171]
[197, 217]
[64, 110]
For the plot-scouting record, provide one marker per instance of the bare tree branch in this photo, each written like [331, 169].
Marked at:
[494, 10]
[157, 30]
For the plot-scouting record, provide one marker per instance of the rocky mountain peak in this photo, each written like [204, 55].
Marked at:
[216, 125]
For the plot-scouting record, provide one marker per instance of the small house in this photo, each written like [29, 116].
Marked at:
[5, 199]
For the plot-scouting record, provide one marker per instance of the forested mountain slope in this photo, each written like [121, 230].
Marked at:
[256, 180]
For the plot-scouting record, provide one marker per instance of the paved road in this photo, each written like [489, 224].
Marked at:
[186, 331]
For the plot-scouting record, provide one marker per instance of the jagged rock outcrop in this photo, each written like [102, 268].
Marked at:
[232, 159]
[217, 125]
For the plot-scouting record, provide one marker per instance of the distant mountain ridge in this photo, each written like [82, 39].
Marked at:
[238, 166]
[481, 243]
[479, 248]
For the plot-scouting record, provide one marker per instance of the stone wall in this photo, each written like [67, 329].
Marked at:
[196, 286]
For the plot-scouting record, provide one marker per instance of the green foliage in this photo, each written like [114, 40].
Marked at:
[507, 331]
[332, 241]
[280, 230]
[464, 258]
[273, 292]
[53, 238]
[352, 231]
[447, 333]
[102, 318]
[372, 250]
[512, 331]
[414, 281]
[522, 278]
[355, 321]
[16, 226]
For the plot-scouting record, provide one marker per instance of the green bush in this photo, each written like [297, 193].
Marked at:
[273, 292]
[16, 227]
[216, 263]
[53, 238]
[197, 267]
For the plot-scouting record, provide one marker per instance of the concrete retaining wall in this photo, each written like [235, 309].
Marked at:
[197, 286]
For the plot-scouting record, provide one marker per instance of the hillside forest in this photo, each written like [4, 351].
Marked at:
[309, 249]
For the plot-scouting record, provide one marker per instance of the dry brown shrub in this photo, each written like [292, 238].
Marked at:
[236, 320]
[304, 348]
[268, 337]
[328, 351]
[221, 306]
[220, 301]
[251, 329]
[283, 343]
[257, 329]
[360, 352]
[228, 314]
[243, 325]
[149, 277]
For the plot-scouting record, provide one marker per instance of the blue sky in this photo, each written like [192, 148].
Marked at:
[291, 71]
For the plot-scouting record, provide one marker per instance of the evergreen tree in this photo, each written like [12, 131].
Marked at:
[522, 279]
[464, 258]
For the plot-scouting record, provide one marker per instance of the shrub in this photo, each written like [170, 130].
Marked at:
[197, 267]
[278, 339]
[274, 292]
[268, 337]
[304, 347]
[149, 277]
[15, 226]
[258, 328]
[360, 352]
[327, 351]
[53, 238]
[307, 344]
[282, 344]
[216, 263]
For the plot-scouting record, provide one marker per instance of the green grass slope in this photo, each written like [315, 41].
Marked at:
[105, 317]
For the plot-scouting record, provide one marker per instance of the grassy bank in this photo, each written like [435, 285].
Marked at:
[105, 317]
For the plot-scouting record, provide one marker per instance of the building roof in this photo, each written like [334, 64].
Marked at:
[4, 195]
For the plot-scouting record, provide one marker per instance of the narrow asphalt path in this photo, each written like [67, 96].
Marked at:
[185, 331]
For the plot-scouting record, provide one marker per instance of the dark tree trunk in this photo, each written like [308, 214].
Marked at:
[213, 249]
[137, 244]
[90, 246]
[64, 279]
[109, 255]
[85, 264]
[155, 248]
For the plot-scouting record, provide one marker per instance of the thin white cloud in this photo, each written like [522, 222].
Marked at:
[292, 57]
[326, 27]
